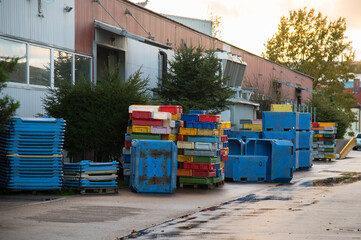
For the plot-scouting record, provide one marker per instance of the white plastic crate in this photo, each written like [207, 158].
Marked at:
[205, 146]
[185, 145]
[169, 123]
[161, 115]
[148, 108]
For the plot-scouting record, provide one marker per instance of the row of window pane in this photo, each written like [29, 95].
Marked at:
[40, 65]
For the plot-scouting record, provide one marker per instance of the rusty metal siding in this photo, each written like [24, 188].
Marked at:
[56, 28]
[259, 71]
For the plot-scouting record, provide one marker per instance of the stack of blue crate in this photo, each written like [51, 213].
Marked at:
[31, 154]
[291, 126]
[90, 175]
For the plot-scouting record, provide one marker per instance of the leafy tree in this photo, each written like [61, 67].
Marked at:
[216, 24]
[195, 81]
[8, 105]
[96, 115]
[309, 43]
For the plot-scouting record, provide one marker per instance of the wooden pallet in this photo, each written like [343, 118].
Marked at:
[85, 191]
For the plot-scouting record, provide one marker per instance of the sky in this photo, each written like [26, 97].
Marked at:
[248, 24]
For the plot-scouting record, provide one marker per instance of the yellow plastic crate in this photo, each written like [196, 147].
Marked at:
[330, 156]
[228, 125]
[185, 145]
[253, 126]
[317, 135]
[176, 116]
[226, 150]
[169, 137]
[188, 131]
[327, 124]
[220, 132]
[223, 125]
[183, 158]
[221, 164]
[209, 132]
[140, 129]
[281, 108]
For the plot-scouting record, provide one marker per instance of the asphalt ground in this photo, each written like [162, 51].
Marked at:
[321, 203]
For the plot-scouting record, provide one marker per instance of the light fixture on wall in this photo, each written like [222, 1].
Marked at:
[67, 9]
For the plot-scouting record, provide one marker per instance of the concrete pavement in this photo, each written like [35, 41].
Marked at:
[245, 211]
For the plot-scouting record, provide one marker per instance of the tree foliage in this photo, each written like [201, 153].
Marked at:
[216, 24]
[195, 81]
[96, 115]
[309, 43]
[8, 105]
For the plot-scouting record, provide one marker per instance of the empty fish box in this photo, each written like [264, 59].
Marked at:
[189, 117]
[169, 137]
[204, 173]
[146, 136]
[148, 108]
[171, 109]
[148, 122]
[190, 152]
[205, 146]
[209, 132]
[185, 145]
[205, 139]
[160, 130]
[198, 112]
[188, 131]
[205, 159]
[140, 129]
[183, 158]
[199, 166]
[141, 115]
[169, 123]
[153, 166]
[209, 118]
[195, 180]
[281, 108]
[203, 125]
[176, 116]
[161, 115]
[184, 172]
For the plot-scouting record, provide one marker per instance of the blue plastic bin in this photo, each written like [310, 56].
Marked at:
[153, 166]
[304, 140]
[245, 134]
[279, 121]
[303, 121]
[304, 158]
[246, 168]
[236, 146]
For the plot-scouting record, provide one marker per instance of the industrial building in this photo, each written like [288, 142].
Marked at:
[63, 40]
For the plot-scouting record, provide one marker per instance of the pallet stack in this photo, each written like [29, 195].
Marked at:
[148, 122]
[31, 154]
[90, 176]
[324, 140]
[202, 149]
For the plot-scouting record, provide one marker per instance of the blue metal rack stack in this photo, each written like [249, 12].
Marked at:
[31, 154]
[90, 175]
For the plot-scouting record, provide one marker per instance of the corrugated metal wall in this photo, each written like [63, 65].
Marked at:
[20, 18]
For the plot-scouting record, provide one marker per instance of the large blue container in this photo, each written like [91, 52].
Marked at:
[153, 166]
[279, 121]
[245, 134]
[236, 146]
[304, 158]
[304, 140]
[279, 153]
[303, 121]
[246, 168]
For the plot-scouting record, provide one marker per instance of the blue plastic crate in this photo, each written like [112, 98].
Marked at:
[280, 154]
[304, 158]
[208, 139]
[127, 137]
[226, 131]
[279, 121]
[217, 165]
[153, 166]
[126, 158]
[236, 146]
[202, 125]
[245, 134]
[303, 121]
[304, 140]
[246, 168]
[198, 112]
[189, 117]
[126, 165]
[86, 165]
[219, 173]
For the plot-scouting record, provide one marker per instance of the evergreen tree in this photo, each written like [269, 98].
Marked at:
[8, 105]
[195, 81]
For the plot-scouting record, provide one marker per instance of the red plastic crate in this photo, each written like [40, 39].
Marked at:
[149, 122]
[224, 158]
[204, 173]
[180, 137]
[127, 144]
[315, 124]
[199, 166]
[326, 139]
[171, 109]
[223, 151]
[209, 118]
[224, 138]
[141, 115]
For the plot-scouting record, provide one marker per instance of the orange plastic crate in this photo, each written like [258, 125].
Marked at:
[184, 172]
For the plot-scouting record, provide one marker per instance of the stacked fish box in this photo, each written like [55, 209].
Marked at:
[304, 135]
[147, 122]
[293, 126]
[87, 175]
[256, 125]
[202, 149]
[31, 154]
[324, 140]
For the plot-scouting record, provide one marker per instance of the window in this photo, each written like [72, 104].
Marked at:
[63, 67]
[162, 64]
[82, 68]
[39, 66]
[12, 49]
